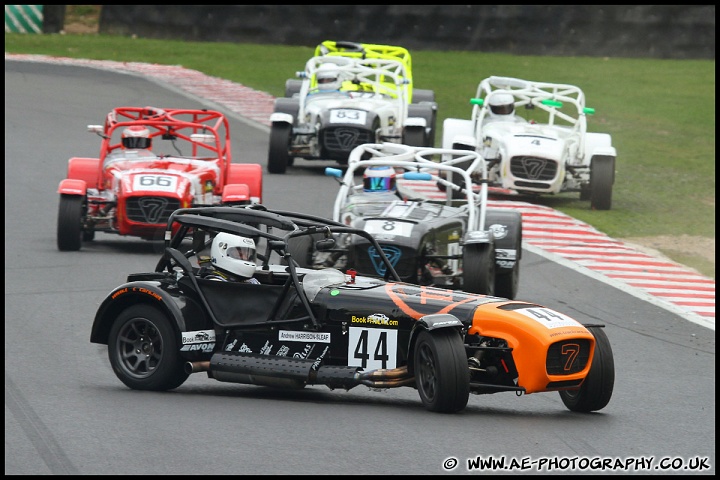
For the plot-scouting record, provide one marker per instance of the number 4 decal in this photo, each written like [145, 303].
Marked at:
[372, 348]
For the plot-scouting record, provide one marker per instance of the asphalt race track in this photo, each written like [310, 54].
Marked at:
[67, 413]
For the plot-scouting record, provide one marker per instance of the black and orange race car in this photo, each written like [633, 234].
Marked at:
[297, 327]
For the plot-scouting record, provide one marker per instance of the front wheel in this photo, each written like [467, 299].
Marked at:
[415, 137]
[602, 176]
[69, 225]
[442, 376]
[143, 350]
[479, 268]
[596, 390]
[292, 87]
[278, 155]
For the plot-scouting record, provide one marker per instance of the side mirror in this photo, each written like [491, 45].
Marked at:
[333, 172]
[325, 244]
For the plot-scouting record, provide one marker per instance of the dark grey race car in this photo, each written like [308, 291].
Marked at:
[459, 243]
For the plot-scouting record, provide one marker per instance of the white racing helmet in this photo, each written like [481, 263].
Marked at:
[136, 136]
[328, 77]
[233, 254]
[502, 104]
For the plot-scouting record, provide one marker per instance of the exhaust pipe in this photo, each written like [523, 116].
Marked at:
[291, 372]
[397, 377]
[196, 367]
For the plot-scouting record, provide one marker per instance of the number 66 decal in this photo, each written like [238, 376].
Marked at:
[162, 183]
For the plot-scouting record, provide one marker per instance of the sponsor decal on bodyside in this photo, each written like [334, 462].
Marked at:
[317, 362]
[198, 340]
[305, 352]
[265, 350]
[374, 319]
[198, 336]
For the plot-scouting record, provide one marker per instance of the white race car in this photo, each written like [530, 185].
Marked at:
[548, 152]
[345, 100]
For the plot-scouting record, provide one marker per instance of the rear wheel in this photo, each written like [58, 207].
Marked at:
[602, 174]
[300, 249]
[596, 390]
[442, 377]
[143, 350]
[506, 285]
[479, 268]
[422, 95]
[415, 137]
[278, 156]
[69, 226]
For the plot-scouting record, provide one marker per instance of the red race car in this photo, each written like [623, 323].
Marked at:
[152, 162]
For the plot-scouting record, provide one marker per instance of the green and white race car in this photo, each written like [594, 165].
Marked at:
[546, 150]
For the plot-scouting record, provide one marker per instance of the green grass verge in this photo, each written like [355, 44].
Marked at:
[660, 114]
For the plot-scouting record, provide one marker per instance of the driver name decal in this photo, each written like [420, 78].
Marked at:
[290, 336]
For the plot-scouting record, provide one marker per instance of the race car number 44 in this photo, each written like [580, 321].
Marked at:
[372, 348]
[162, 183]
[348, 116]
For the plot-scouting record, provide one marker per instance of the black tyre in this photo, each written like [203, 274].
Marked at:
[278, 156]
[422, 95]
[414, 136]
[479, 268]
[428, 111]
[143, 350]
[596, 390]
[69, 226]
[300, 248]
[506, 284]
[602, 176]
[442, 376]
[292, 86]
